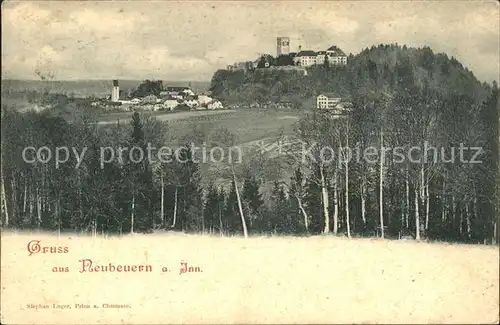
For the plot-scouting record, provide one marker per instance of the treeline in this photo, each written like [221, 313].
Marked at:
[442, 199]
[128, 195]
[423, 164]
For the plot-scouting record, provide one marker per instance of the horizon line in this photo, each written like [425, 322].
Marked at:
[101, 79]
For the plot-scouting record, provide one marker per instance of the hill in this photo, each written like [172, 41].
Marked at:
[383, 66]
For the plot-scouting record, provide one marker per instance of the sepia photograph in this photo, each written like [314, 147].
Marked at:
[250, 162]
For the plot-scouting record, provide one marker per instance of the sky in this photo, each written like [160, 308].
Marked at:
[190, 40]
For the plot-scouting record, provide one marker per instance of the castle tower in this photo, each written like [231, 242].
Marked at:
[115, 94]
[283, 45]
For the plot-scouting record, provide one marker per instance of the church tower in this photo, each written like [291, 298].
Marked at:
[115, 94]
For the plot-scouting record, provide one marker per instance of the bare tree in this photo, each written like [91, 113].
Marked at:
[225, 140]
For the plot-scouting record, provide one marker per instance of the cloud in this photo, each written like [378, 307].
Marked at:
[473, 39]
[106, 21]
[184, 40]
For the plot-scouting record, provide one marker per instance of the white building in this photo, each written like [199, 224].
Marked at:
[305, 58]
[336, 56]
[215, 105]
[333, 54]
[327, 101]
[176, 95]
[204, 99]
[171, 104]
[188, 92]
[320, 57]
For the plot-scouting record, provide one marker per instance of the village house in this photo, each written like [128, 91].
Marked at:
[215, 105]
[204, 99]
[171, 104]
[327, 101]
[170, 98]
[333, 103]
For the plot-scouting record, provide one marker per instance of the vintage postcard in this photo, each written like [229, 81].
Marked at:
[250, 162]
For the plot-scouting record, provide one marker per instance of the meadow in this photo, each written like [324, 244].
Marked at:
[252, 128]
[249, 125]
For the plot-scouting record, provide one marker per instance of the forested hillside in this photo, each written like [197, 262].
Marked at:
[370, 173]
[378, 67]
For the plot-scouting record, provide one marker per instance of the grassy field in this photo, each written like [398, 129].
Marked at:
[248, 125]
[259, 280]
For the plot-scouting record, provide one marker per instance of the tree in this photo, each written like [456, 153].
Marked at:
[148, 87]
[326, 63]
[345, 157]
[224, 139]
[263, 63]
[232, 212]
[313, 203]
[297, 192]
[282, 221]
[489, 173]
[213, 209]
[320, 133]
[251, 195]
[284, 60]
[190, 199]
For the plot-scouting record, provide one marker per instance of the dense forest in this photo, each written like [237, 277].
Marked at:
[402, 97]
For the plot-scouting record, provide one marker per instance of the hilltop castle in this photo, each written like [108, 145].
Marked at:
[302, 58]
